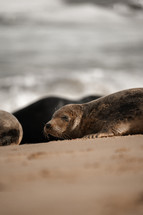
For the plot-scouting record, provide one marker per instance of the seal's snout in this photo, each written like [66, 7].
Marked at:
[47, 128]
[48, 125]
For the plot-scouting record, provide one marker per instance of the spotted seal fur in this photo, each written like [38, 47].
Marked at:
[117, 114]
[10, 129]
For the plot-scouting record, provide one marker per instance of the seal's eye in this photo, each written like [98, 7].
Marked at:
[65, 118]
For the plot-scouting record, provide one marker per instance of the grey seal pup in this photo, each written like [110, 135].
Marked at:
[10, 129]
[117, 114]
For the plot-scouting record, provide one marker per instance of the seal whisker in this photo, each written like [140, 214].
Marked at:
[46, 135]
[66, 136]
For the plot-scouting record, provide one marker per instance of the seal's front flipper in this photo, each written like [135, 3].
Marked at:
[90, 136]
[99, 135]
[104, 134]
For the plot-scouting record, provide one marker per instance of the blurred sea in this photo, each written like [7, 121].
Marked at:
[54, 48]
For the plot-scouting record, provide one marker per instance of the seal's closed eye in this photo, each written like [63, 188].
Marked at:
[65, 118]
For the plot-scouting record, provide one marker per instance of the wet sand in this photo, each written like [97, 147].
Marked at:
[101, 176]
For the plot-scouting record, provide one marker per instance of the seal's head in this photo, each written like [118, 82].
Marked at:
[65, 122]
[10, 129]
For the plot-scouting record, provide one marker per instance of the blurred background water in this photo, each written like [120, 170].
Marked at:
[68, 48]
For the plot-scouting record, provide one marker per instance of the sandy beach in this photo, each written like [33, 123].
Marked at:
[101, 176]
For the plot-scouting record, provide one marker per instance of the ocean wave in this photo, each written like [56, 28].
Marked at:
[46, 12]
[68, 51]
[19, 91]
[132, 4]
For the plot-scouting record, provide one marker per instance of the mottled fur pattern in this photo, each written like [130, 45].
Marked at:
[117, 114]
[10, 129]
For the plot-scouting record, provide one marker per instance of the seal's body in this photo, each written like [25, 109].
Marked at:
[10, 129]
[117, 114]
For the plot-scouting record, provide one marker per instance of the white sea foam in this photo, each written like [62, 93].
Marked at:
[17, 92]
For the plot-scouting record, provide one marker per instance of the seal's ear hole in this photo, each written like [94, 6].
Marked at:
[65, 118]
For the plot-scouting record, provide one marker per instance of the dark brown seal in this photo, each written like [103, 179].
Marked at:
[10, 129]
[117, 114]
[35, 115]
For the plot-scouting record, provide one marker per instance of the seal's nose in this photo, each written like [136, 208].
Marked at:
[48, 125]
